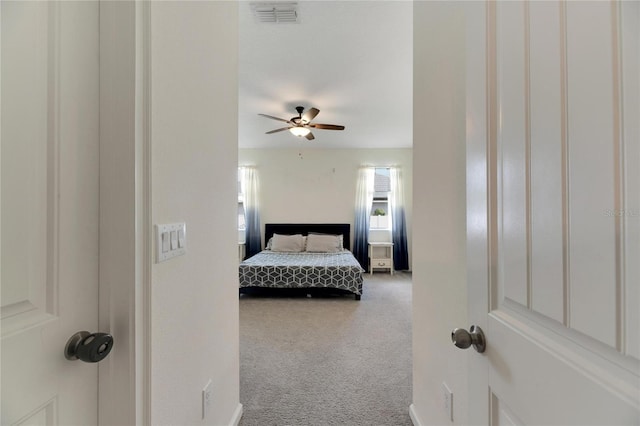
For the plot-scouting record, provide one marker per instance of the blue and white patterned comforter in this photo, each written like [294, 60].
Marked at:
[302, 270]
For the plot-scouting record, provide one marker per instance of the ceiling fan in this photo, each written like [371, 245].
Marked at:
[301, 125]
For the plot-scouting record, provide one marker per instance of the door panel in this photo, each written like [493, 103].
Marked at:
[547, 155]
[25, 289]
[512, 119]
[593, 121]
[49, 228]
[561, 89]
[590, 263]
[502, 415]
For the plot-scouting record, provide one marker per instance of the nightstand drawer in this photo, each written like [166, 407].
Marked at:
[381, 263]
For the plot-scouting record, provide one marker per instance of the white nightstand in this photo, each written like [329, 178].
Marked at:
[381, 256]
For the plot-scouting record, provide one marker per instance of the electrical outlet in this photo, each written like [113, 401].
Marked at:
[447, 401]
[207, 399]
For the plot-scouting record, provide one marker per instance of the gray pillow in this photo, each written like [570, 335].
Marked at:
[287, 243]
[340, 238]
[270, 242]
[324, 243]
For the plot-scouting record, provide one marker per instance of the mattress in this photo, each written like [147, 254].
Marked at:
[302, 270]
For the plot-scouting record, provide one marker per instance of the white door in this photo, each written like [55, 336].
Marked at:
[49, 228]
[554, 212]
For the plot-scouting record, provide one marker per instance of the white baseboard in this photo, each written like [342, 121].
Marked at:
[414, 416]
[237, 415]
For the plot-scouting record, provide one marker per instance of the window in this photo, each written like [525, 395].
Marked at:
[241, 219]
[380, 206]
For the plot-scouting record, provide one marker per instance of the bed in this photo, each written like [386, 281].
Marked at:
[303, 272]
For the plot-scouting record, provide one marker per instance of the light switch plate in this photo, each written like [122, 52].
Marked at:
[172, 248]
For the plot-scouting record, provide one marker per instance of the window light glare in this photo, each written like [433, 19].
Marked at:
[300, 131]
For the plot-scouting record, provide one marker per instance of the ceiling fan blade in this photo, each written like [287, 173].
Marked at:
[327, 126]
[310, 136]
[277, 130]
[275, 118]
[310, 115]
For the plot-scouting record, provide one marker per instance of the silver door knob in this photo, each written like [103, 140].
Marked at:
[474, 337]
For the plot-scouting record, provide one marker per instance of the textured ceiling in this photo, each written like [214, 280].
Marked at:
[350, 59]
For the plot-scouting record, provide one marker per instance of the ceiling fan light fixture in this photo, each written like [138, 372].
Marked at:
[301, 125]
[300, 131]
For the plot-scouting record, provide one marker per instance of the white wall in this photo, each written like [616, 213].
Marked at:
[194, 104]
[319, 185]
[439, 277]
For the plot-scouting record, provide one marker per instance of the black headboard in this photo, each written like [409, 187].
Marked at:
[304, 229]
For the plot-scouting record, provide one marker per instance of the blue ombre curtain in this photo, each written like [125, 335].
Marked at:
[398, 226]
[364, 200]
[253, 241]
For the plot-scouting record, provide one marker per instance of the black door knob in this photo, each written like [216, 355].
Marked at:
[88, 347]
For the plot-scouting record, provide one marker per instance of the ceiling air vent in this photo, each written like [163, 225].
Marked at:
[276, 12]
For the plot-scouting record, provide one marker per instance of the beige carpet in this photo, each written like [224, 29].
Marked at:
[328, 360]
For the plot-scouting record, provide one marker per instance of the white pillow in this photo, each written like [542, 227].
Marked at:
[323, 243]
[287, 243]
